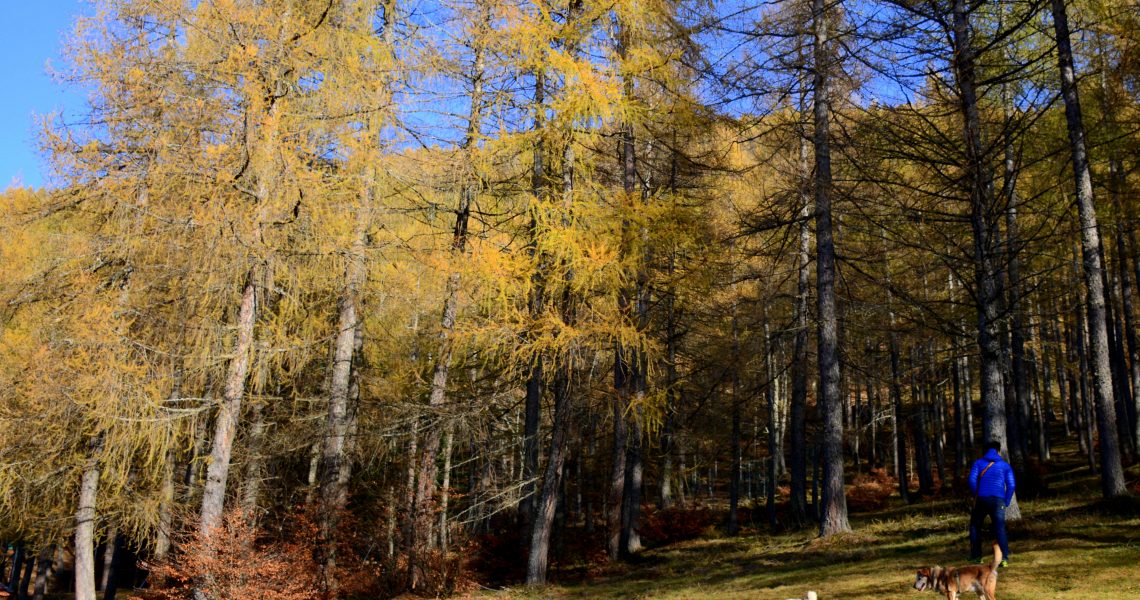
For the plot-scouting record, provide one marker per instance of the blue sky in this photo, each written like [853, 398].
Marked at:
[31, 34]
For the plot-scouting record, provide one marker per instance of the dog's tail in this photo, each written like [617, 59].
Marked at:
[997, 556]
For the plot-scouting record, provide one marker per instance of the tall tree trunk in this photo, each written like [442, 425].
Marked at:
[334, 455]
[899, 428]
[798, 487]
[617, 465]
[668, 427]
[253, 467]
[629, 380]
[1061, 370]
[782, 399]
[734, 470]
[588, 483]
[428, 470]
[445, 487]
[1049, 368]
[229, 413]
[959, 422]
[44, 564]
[1125, 240]
[634, 478]
[938, 398]
[1019, 444]
[85, 533]
[313, 476]
[984, 226]
[1085, 425]
[834, 515]
[14, 573]
[968, 387]
[1127, 291]
[533, 405]
[1112, 474]
[26, 579]
[111, 577]
[22, 566]
[872, 410]
[1121, 392]
[773, 423]
[408, 525]
[918, 423]
[165, 508]
[191, 475]
[108, 557]
[538, 558]
[856, 426]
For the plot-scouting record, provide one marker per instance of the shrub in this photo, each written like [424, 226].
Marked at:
[232, 562]
[870, 491]
[676, 524]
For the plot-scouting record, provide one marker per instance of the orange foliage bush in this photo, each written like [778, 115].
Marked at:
[870, 491]
[677, 523]
[442, 574]
[234, 563]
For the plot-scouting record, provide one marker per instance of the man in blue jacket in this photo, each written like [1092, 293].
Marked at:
[991, 480]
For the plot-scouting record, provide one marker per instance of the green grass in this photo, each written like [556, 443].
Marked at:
[1069, 545]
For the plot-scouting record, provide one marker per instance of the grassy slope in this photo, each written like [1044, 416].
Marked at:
[1067, 546]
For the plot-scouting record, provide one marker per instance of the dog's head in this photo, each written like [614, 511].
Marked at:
[927, 578]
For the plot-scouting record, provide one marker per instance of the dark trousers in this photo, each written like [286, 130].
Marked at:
[994, 508]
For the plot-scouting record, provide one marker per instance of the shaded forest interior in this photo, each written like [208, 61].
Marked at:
[369, 297]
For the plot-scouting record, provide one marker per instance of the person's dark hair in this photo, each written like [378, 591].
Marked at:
[993, 446]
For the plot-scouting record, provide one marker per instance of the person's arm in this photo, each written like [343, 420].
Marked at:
[974, 472]
[1010, 485]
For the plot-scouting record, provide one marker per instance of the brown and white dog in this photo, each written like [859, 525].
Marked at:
[980, 579]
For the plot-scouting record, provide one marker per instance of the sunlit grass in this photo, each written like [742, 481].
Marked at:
[1068, 545]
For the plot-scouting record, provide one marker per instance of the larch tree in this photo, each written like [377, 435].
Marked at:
[477, 23]
[834, 510]
[1112, 475]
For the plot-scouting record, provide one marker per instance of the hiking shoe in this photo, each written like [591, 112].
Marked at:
[1004, 563]
[976, 561]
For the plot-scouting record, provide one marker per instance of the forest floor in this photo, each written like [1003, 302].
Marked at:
[1069, 544]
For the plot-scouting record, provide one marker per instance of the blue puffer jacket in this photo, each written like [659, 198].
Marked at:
[998, 480]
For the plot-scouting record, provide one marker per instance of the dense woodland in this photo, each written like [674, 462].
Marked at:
[375, 296]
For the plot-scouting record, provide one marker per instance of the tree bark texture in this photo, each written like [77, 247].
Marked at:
[979, 179]
[798, 486]
[899, 423]
[85, 533]
[335, 464]
[108, 557]
[229, 414]
[533, 406]
[539, 552]
[1112, 474]
[252, 481]
[538, 559]
[834, 516]
[44, 563]
[628, 377]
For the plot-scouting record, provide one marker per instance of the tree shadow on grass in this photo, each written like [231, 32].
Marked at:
[1058, 541]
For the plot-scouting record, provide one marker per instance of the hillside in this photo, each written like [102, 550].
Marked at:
[1068, 545]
